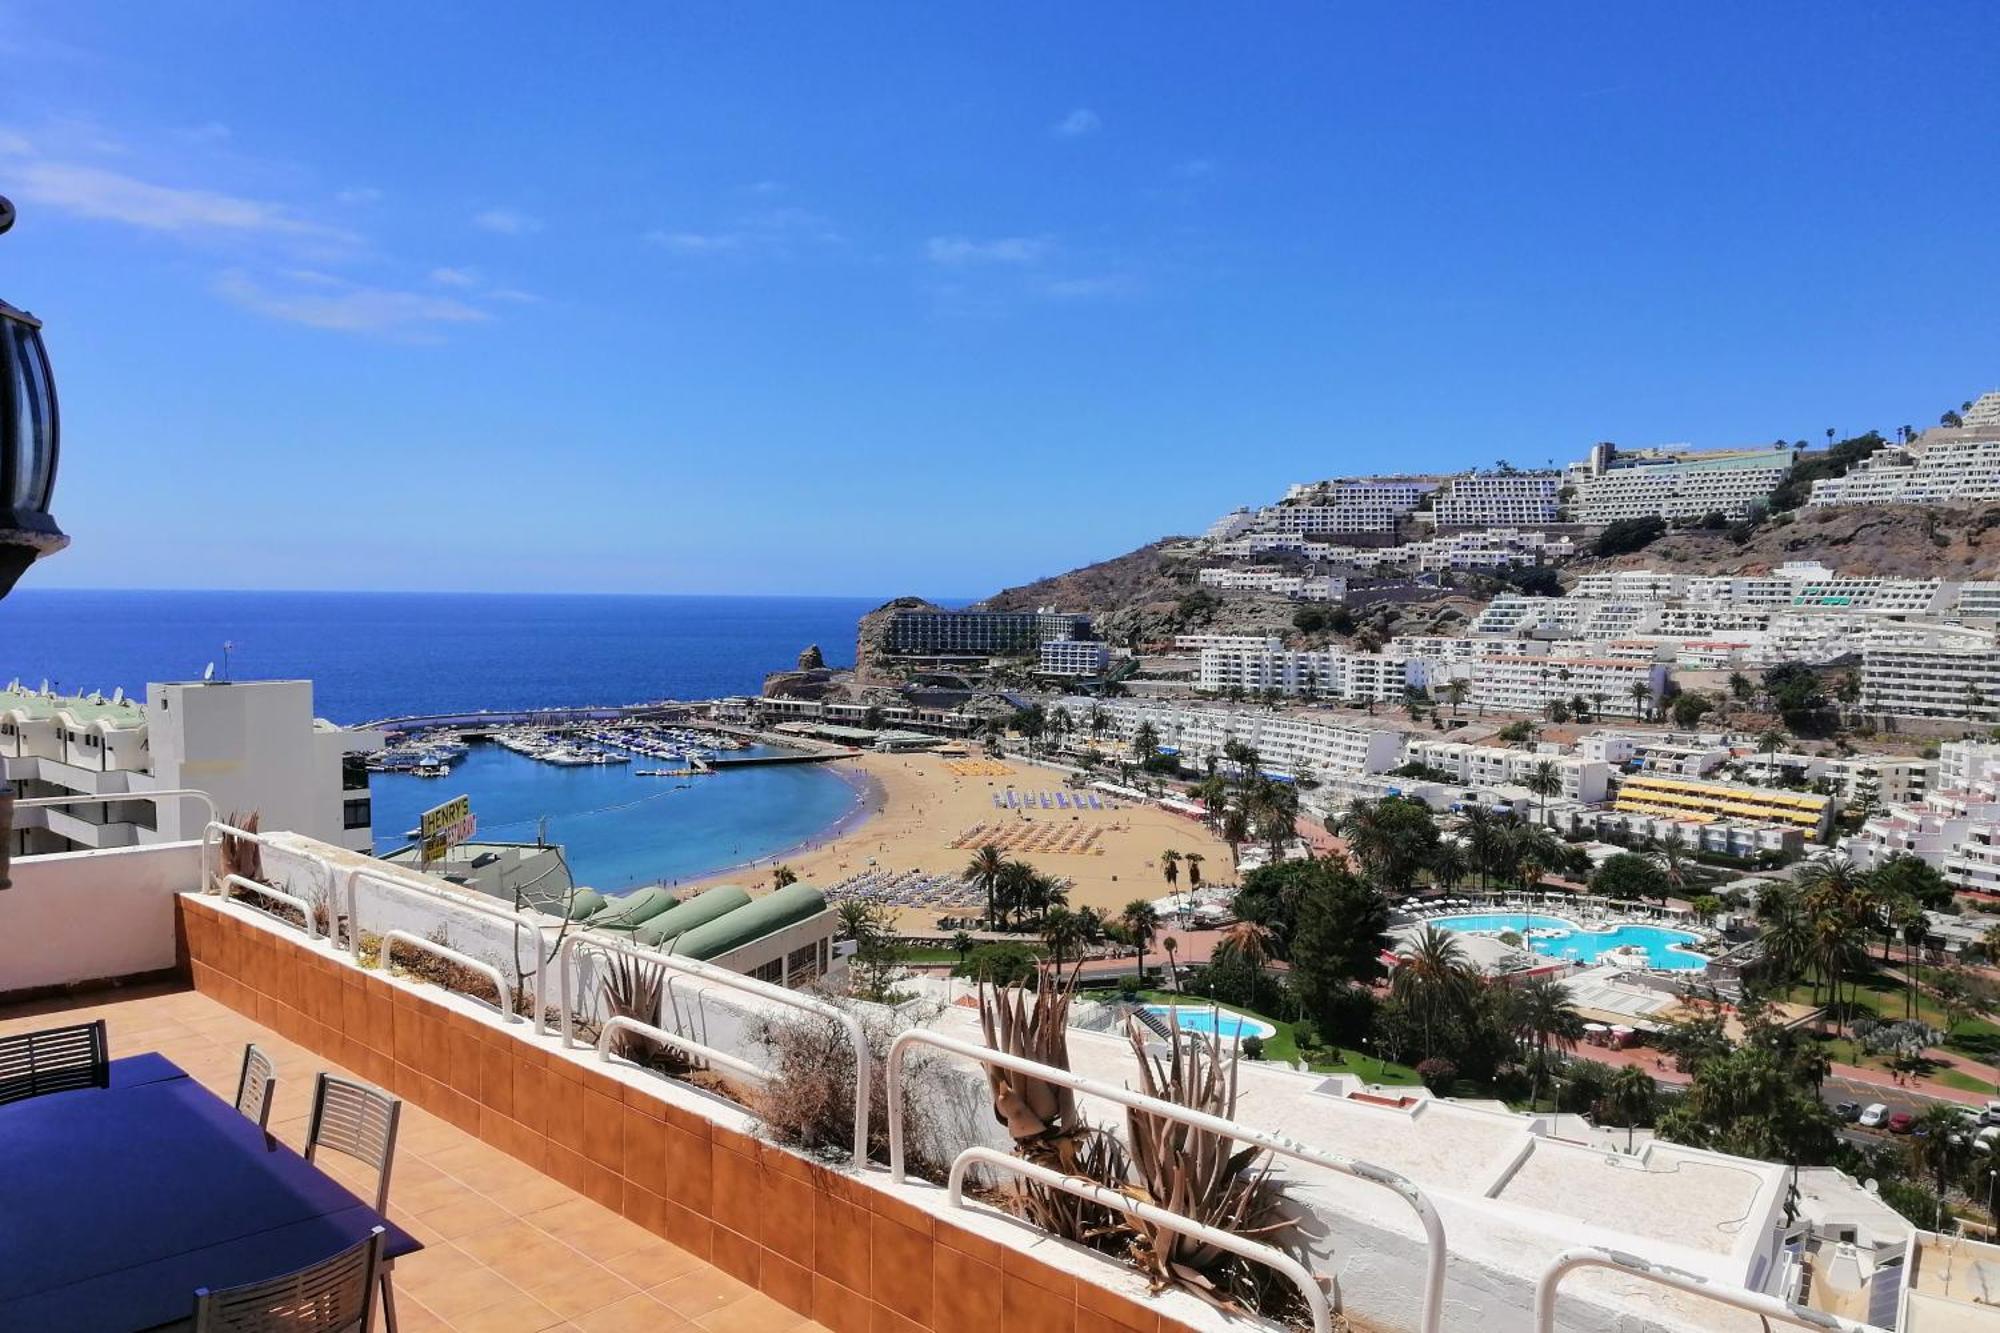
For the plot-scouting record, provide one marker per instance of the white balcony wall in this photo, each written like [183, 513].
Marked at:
[93, 916]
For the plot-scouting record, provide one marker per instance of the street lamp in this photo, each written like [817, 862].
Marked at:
[28, 431]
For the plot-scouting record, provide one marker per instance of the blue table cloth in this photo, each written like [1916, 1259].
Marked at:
[116, 1203]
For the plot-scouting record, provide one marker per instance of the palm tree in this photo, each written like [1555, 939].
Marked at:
[1193, 862]
[1544, 1016]
[1642, 698]
[1633, 1094]
[1235, 830]
[1434, 982]
[1016, 892]
[1060, 930]
[1834, 895]
[984, 870]
[1170, 867]
[961, 944]
[782, 874]
[1251, 942]
[1545, 780]
[1455, 691]
[1140, 922]
[1172, 946]
[1669, 852]
[1483, 841]
[1447, 864]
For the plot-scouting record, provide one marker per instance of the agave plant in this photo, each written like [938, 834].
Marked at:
[632, 990]
[1042, 1116]
[1198, 1173]
[239, 855]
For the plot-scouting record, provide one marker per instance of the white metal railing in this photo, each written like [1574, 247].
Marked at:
[1755, 1302]
[1255, 1251]
[265, 890]
[212, 834]
[356, 874]
[1419, 1203]
[722, 976]
[391, 938]
[688, 1045]
[190, 793]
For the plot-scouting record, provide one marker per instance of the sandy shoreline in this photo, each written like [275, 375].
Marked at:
[911, 807]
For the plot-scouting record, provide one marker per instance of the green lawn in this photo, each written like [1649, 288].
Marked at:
[1885, 998]
[1281, 1047]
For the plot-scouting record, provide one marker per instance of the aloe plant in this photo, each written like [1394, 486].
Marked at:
[632, 990]
[1041, 1116]
[1200, 1174]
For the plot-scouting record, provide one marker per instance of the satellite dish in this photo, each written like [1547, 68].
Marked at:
[208, 672]
[118, 695]
[6, 213]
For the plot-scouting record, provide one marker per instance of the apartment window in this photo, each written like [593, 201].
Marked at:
[353, 773]
[773, 971]
[356, 814]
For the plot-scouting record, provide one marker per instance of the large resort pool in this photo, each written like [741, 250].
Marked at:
[1556, 937]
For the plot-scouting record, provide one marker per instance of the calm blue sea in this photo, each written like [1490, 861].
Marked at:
[375, 655]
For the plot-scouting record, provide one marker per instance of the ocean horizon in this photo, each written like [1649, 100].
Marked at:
[374, 655]
[386, 654]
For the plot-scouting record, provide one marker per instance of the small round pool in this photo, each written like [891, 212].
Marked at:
[1555, 937]
[1213, 1022]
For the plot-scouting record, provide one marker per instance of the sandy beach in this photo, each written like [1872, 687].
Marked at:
[918, 806]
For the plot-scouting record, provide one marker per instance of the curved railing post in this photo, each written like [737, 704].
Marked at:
[1755, 1302]
[864, 1074]
[266, 891]
[1420, 1204]
[1270, 1256]
[355, 874]
[687, 1045]
[484, 969]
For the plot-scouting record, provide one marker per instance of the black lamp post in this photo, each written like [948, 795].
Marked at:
[28, 431]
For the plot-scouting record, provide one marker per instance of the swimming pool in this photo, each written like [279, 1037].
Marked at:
[1221, 1022]
[1555, 937]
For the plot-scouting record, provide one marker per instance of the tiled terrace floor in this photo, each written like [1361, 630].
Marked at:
[506, 1248]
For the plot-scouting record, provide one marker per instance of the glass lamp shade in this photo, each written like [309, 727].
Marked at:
[29, 432]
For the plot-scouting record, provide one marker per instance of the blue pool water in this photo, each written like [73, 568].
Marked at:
[1219, 1023]
[1572, 942]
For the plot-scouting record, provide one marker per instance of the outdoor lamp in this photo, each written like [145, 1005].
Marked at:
[27, 471]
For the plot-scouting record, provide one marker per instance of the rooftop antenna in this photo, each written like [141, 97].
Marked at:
[227, 645]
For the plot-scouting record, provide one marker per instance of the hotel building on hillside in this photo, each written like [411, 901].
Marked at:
[1689, 798]
[1506, 684]
[1287, 743]
[1955, 826]
[1796, 584]
[252, 745]
[1941, 466]
[1507, 499]
[1585, 781]
[980, 633]
[1932, 680]
[1613, 483]
[1074, 657]
[1370, 505]
[1327, 674]
[1277, 581]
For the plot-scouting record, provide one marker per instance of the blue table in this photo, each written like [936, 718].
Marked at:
[116, 1203]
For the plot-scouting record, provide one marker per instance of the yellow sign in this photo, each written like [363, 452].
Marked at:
[444, 827]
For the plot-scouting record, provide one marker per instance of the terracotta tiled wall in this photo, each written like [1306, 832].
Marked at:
[852, 1257]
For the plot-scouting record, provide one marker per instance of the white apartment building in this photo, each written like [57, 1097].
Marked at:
[1584, 780]
[1483, 549]
[1229, 525]
[1940, 466]
[1258, 667]
[1507, 684]
[1287, 743]
[1881, 779]
[1955, 826]
[1480, 500]
[1984, 414]
[1674, 483]
[1277, 581]
[1978, 601]
[1650, 753]
[252, 745]
[1368, 505]
[1932, 680]
[1195, 643]
[1074, 657]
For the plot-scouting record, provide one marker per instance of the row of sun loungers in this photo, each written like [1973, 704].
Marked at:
[1046, 800]
[1070, 839]
[908, 888]
[978, 768]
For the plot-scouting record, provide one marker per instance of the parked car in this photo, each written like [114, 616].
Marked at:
[1901, 1123]
[1991, 1115]
[1873, 1117]
[1986, 1138]
[1848, 1111]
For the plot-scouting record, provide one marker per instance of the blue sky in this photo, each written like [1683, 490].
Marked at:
[872, 299]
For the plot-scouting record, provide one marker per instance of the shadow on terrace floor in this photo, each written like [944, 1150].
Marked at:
[507, 1249]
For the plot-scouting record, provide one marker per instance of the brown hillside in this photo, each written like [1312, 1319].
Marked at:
[1883, 541]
